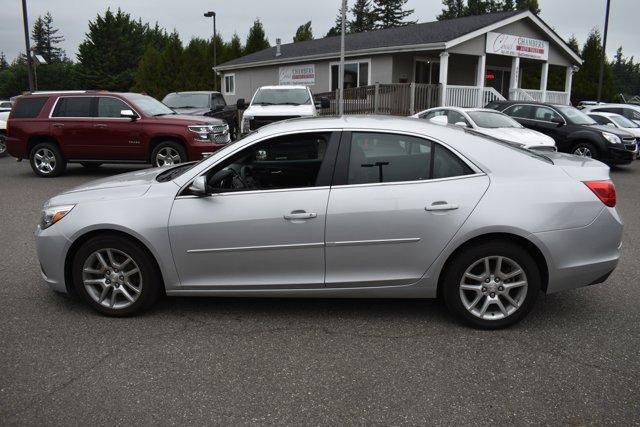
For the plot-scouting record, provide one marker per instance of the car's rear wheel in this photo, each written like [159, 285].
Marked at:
[47, 160]
[91, 165]
[584, 149]
[115, 276]
[491, 285]
[3, 146]
[168, 153]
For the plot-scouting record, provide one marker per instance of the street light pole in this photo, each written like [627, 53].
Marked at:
[341, 67]
[212, 14]
[27, 46]
[604, 51]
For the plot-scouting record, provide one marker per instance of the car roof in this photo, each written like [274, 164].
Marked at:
[283, 87]
[618, 105]
[603, 113]
[196, 91]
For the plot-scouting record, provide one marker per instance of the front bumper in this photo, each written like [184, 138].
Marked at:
[622, 156]
[583, 256]
[52, 247]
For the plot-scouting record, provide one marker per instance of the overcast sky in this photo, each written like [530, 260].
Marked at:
[282, 17]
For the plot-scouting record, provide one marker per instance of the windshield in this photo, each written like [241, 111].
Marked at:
[491, 120]
[282, 97]
[623, 122]
[187, 100]
[575, 116]
[149, 106]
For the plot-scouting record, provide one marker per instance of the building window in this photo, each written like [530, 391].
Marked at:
[230, 84]
[356, 73]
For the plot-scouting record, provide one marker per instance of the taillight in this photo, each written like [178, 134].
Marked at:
[605, 190]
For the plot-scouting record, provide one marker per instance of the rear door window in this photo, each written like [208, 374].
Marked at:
[28, 108]
[454, 117]
[519, 111]
[73, 106]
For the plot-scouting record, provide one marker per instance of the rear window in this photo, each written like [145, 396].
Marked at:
[28, 108]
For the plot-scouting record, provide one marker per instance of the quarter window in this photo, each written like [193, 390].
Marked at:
[291, 161]
[110, 107]
[454, 117]
[77, 106]
[28, 108]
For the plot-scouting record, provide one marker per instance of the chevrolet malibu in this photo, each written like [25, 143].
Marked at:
[352, 207]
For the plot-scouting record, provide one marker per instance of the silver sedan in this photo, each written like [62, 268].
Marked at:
[353, 207]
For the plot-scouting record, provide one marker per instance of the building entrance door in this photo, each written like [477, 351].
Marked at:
[498, 79]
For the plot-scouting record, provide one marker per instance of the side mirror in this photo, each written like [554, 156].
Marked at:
[241, 104]
[461, 124]
[217, 108]
[199, 186]
[128, 114]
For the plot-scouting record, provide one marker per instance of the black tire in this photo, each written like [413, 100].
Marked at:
[148, 280]
[457, 267]
[586, 147]
[91, 165]
[52, 156]
[168, 147]
[3, 146]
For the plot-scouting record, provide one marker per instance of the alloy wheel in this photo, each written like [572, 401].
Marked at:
[45, 161]
[583, 152]
[112, 278]
[493, 287]
[167, 156]
[3, 146]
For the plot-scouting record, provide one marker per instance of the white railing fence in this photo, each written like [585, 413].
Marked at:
[555, 97]
[462, 96]
[490, 94]
[551, 96]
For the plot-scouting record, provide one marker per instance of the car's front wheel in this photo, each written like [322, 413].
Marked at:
[584, 149]
[491, 285]
[115, 275]
[3, 146]
[168, 153]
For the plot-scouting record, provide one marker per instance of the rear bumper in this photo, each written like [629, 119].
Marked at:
[583, 256]
[16, 147]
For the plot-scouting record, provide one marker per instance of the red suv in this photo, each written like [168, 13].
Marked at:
[91, 128]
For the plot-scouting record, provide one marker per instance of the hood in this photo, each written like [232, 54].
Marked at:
[126, 185]
[580, 168]
[280, 110]
[633, 131]
[622, 133]
[181, 119]
[197, 111]
[526, 137]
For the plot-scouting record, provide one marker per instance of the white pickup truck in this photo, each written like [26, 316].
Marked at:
[4, 115]
[274, 103]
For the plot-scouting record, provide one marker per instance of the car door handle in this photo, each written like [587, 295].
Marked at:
[300, 215]
[441, 206]
[100, 125]
[58, 125]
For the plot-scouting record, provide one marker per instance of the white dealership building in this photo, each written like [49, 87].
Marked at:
[463, 62]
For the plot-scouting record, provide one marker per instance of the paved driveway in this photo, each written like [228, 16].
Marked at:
[574, 360]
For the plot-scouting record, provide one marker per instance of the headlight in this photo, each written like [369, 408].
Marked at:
[614, 139]
[204, 131]
[246, 123]
[53, 214]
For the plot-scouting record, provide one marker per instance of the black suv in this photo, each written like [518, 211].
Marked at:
[573, 131]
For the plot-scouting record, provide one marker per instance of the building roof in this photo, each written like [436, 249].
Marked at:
[427, 35]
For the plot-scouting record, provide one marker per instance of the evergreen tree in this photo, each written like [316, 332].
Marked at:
[111, 51]
[303, 33]
[3, 62]
[584, 81]
[508, 6]
[452, 9]
[532, 5]
[363, 19]
[234, 48]
[573, 44]
[626, 74]
[494, 6]
[337, 26]
[156, 71]
[391, 13]
[195, 72]
[257, 39]
[476, 7]
[45, 40]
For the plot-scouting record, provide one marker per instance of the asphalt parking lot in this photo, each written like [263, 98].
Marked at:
[575, 359]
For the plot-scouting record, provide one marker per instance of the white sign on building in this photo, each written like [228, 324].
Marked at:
[298, 75]
[510, 45]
